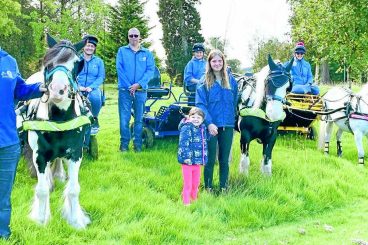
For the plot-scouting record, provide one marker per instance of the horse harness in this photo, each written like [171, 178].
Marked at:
[86, 117]
[351, 112]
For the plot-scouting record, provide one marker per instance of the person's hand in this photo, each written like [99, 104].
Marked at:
[187, 161]
[81, 88]
[88, 89]
[212, 128]
[134, 87]
[42, 88]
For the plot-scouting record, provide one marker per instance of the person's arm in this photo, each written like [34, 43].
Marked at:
[309, 74]
[150, 69]
[120, 65]
[185, 140]
[100, 76]
[201, 101]
[188, 74]
[25, 91]
[234, 87]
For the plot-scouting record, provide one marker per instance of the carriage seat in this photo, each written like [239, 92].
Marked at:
[155, 87]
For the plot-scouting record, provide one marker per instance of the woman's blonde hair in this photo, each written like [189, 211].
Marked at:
[210, 75]
[196, 110]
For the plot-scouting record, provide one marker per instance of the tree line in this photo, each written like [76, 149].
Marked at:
[334, 32]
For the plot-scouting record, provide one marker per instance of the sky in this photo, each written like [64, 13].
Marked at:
[239, 22]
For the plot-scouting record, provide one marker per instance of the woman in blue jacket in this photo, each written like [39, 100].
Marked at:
[90, 79]
[12, 87]
[194, 70]
[301, 73]
[217, 97]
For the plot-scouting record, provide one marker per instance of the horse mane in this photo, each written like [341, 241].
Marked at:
[59, 54]
[260, 86]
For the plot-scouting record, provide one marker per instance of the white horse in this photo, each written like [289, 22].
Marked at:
[262, 120]
[56, 130]
[350, 115]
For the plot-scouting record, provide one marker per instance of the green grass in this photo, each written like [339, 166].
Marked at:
[135, 198]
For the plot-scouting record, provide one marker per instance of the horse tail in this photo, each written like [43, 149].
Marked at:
[321, 134]
[260, 86]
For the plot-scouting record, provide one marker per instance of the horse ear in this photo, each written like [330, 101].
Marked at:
[288, 67]
[272, 64]
[79, 45]
[51, 42]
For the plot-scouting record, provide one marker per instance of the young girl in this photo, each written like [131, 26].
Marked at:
[192, 152]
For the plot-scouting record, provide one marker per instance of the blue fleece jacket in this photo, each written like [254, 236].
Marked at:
[218, 103]
[195, 68]
[192, 143]
[12, 87]
[93, 73]
[301, 72]
[134, 67]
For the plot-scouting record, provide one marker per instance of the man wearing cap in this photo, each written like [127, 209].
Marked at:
[90, 79]
[135, 67]
[301, 73]
[195, 69]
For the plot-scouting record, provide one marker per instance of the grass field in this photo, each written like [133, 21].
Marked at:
[134, 198]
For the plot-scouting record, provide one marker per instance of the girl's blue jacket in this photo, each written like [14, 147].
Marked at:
[192, 143]
[218, 103]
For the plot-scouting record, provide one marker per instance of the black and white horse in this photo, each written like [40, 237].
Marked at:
[350, 115]
[56, 130]
[263, 118]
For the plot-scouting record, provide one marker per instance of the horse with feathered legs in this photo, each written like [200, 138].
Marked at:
[57, 127]
[349, 112]
[263, 118]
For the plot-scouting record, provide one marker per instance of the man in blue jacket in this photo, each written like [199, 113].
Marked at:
[12, 87]
[301, 73]
[135, 67]
[90, 79]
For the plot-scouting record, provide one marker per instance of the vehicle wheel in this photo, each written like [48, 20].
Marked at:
[311, 133]
[147, 135]
[93, 147]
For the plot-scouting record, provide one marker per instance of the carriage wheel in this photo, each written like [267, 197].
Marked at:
[147, 135]
[93, 147]
[311, 133]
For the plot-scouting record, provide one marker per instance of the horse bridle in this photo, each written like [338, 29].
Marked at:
[270, 79]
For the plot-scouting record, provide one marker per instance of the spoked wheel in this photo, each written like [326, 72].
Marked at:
[93, 147]
[147, 135]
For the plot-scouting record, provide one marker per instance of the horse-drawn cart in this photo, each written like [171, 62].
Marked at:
[301, 114]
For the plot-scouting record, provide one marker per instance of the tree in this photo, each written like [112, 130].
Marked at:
[340, 37]
[181, 25]
[125, 15]
[278, 50]
[216, 43]
[9, 9]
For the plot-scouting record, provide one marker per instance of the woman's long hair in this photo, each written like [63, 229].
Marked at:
[210, 75]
